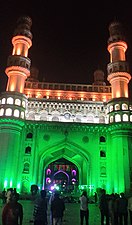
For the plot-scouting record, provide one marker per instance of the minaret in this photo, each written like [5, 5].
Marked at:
[118, 71]
[118, 75]
[18, 65]
[13, 103]
[119, 111]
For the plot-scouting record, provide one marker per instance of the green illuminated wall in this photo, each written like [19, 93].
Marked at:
[78, 143]
[101, 152]
[10, 154]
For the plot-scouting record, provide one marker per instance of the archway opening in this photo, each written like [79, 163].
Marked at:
[62, 175]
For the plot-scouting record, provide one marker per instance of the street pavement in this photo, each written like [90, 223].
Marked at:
[71, 215]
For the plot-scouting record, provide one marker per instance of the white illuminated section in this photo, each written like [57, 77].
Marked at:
[130, 118]
[124, 106]
[5, 183]
[111, 108]
[125, 117]
[17, 102]
[117, 107]
[3, 100]
[96, 120]
[130, 107]
[16, 113]
[23, 104]
[117, 118]
[22, 115]
[11, 183]
[18, 186]
[111, 119]
[8, 112]
[1, 112]
[10, 100]
[107, 120]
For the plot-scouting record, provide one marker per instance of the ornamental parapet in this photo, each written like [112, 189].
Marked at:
[66, 111]
[66, 127]
[67, 87]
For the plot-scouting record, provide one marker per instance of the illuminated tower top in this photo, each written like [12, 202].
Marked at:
[116, 32]
[118, 70]
[18, 65]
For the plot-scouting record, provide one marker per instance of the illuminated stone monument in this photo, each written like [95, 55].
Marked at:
[72, 135]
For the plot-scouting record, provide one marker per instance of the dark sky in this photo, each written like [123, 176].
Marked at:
[69, 37]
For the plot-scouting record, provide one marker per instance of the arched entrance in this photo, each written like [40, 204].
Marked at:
[63, 175]
[68, 151]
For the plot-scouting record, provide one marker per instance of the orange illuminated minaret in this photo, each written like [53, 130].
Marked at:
[118, 70]
[18, 65]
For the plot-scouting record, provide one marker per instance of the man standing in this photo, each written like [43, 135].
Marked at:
[57, 209]
[84, 211]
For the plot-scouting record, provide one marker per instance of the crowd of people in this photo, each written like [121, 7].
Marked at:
[12, 212]
[114, 208]
[57, 207]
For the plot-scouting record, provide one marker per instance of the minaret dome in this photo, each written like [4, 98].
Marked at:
[118, 68]
[116, 32]
[18, 64]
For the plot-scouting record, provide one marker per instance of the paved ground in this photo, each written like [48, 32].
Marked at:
[71, 216]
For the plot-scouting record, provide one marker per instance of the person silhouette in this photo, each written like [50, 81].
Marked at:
[40, 209]
[12, 213]
[103, 206]
[57, 209]
[84, 211]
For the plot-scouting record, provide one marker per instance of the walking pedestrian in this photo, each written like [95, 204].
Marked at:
[57, 209]
[84, 211]
[12, 213]
[40, 209]
[130, 208]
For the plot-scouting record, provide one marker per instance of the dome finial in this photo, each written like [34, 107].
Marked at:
[116, 31]
[23, 27]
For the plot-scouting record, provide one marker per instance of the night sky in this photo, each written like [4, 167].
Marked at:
[69, 37]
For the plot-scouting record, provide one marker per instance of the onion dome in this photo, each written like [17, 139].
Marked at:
[23, 28]
[116, 32]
